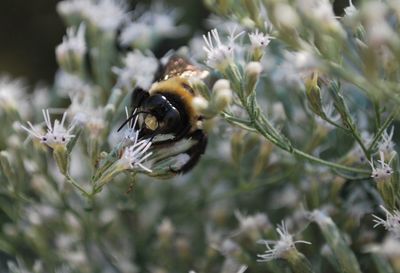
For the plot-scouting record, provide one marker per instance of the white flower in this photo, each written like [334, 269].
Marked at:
[392, 222]
[131, 134]
[69, 85]
[218, 54]
[150, 24]
[73, 42]
[12, 93]
[280, 247]
[386, 145]
[105, 14]
[138, 34]
[56, 134]
[382, 172]
[259, 39]
[350, 10]
[251, 223]
[73, 7]
[86, 114]
[134, 155]
[164, 21]
[139, 69]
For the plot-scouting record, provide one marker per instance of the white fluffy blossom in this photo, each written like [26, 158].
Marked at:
[280, 247]
[138, 70]
[69, 85]
[386, 145]
[259, 39]
[219, 54]
[56, 134]
[73, 43]
[251, 223]
[381, 172]
[392, 222]
[350, 10]
[12, 93]
[104, 14]
[151, 24]
[134, 156]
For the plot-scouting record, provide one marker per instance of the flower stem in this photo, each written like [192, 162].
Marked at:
[266, 129]
[329, 163]
[76, 185]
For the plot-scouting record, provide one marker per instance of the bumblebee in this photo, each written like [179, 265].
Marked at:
[166, 110]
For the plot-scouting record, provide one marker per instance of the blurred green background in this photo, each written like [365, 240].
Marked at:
[30, 31]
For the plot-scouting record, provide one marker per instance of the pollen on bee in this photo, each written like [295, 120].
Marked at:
[151, 122]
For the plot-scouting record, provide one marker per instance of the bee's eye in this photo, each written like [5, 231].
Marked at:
[154, 102]
[171, 120]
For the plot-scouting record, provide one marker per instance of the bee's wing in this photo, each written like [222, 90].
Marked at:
[178, 66]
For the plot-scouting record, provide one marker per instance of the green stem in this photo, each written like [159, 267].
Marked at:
[329, 163]
[377, 114]
[76, 185]
[276, 138]
[357, 137]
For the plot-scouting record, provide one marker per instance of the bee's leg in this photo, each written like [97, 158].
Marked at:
[194, 152]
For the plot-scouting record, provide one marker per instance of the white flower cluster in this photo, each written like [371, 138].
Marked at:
[73, 43]
[138, 70]
[150, 24]
[12, 93]
[107, 15]
[218, 53]
[381, 172]
[56, 134]
[134, 155]
[392, 222]
[280, 247]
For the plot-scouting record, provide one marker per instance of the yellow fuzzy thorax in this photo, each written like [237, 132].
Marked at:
[180, 87]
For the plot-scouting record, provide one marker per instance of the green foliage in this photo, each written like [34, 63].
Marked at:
[301, 112]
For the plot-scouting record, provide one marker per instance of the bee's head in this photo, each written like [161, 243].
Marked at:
[161, 115]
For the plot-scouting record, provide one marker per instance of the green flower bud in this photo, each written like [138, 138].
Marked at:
[62, 157]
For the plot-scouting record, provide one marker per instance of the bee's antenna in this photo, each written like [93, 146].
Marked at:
[134, 114]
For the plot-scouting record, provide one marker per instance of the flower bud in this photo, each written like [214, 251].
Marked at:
[313, 94]
[200, 104]
[71, 52]
[285, 16]
[61, 156]
[222, 99]
[221, 84]
[252, 74]
[165, 230]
